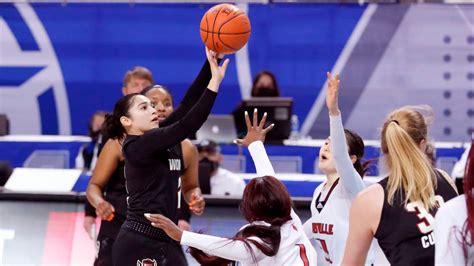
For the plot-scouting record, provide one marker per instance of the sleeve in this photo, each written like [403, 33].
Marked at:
[448, 249]
[192, 95]
[350, 178]
[89, 209]
[260, 159]
[162, 138]
[264, 167]
[222, 247]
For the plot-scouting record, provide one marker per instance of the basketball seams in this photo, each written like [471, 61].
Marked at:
[220, 33]
[230, 19]
[213, 26]
[222, 25]
[207, 28]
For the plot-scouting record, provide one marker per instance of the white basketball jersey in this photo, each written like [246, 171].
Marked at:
[328, 226]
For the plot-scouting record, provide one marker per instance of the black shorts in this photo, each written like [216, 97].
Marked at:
[132, 248]
[104, 251]
[105, 241]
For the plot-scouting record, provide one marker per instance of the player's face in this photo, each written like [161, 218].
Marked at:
[326, 159]
[143, 116]
[136, 85]
[162, 102]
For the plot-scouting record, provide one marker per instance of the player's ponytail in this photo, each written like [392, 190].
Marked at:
[113, 128]
[410, 170]
[266, 204]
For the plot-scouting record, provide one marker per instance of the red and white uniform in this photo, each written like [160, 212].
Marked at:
[295, 248]
[329, 222]
[449, 224]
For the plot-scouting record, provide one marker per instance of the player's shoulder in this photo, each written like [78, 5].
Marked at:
[369, 197]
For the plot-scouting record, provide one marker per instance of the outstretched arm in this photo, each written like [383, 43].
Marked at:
[254, 141]
[164, 137]
[350, 178]
[222, 247]
[193, 93]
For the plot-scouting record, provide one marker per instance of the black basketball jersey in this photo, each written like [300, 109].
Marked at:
[154, 162]
[405, 233]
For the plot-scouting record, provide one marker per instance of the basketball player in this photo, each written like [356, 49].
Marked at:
[275, 234]
[399, 210]
[108, 177]
[340, 160]
[454, 225]
[152, 168]
[134, 80]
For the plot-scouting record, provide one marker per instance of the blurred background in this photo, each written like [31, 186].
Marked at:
[61, 61]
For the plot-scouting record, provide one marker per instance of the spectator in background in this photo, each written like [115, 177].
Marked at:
[136, 79]
[88, 153]
[221, 181]
[265, 85]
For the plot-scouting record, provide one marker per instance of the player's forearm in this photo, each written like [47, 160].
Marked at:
[260, 159]
[94, 194]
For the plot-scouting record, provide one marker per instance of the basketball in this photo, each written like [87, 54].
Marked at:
[225, 28]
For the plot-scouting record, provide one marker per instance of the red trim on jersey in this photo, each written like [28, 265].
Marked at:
[303, 255]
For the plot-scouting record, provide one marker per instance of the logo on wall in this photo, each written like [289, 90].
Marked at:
[32, 90]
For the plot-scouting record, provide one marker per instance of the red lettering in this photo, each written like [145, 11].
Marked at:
[320, 228]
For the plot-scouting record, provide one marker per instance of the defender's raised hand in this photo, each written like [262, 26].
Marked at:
[332, 94]
[255, 130]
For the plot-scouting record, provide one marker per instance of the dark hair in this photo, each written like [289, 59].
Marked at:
[356, 148]
[265, 199]
[207, 145]
[255, 90]
[112, 128]
[468, 228]
[147, 89]
[137, 72]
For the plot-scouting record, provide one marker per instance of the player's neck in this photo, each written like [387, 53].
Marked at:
[331, 178]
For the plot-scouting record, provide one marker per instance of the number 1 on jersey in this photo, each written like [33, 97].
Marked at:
[324, 247]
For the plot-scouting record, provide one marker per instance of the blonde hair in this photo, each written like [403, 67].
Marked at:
[138, 72]
[410, 170]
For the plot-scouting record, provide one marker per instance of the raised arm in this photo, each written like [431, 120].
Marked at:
[193, 93]
[162, 138]
[350, 178]
[254, 141]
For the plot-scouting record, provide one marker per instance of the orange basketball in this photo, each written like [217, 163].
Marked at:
[225, 28]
